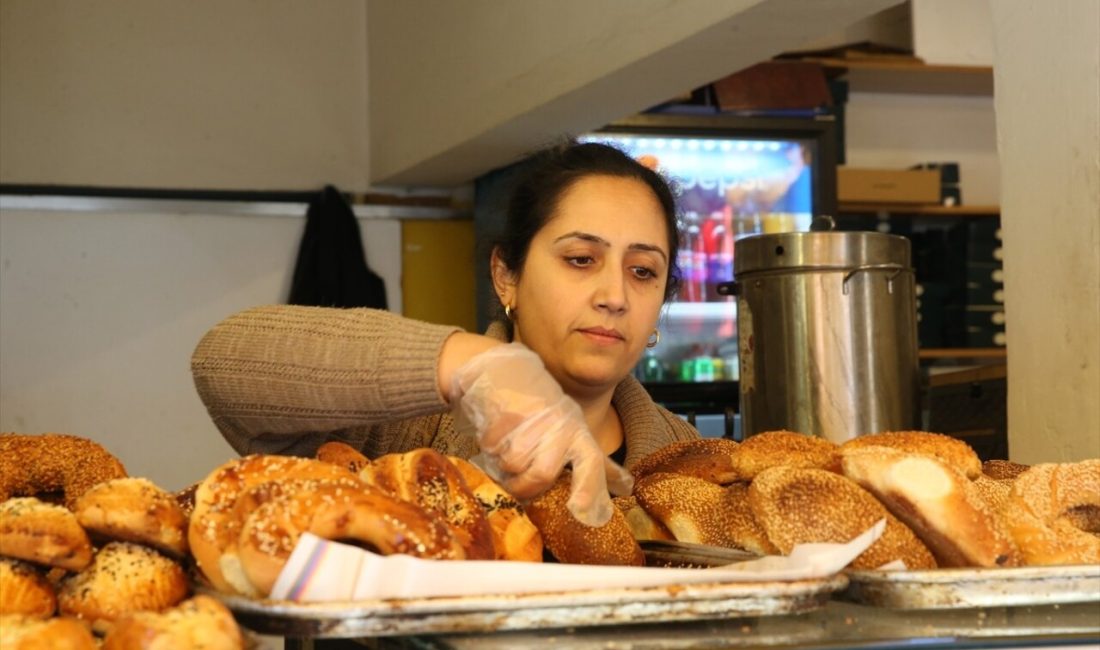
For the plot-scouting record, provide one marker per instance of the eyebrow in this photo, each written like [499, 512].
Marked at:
[600, 240]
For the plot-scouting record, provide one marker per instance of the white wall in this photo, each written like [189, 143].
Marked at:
[896, 131]
[101, 311]
[210, 94]
[1048, 128]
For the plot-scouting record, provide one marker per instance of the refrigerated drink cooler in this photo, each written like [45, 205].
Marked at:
[827, 333]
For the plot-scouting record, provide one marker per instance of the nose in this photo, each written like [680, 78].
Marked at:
[611, 290]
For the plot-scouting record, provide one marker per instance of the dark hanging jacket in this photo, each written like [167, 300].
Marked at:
[331, 270]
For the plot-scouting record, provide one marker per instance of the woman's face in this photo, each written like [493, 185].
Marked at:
[590, 293]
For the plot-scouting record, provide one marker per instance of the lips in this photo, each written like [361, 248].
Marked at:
[599, 331]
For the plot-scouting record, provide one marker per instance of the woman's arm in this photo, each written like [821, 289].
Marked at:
[286, 369]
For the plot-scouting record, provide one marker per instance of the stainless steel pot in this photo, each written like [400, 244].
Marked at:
[827, 333]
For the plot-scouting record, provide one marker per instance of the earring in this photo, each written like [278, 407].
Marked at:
[509, 312]
[655, 339]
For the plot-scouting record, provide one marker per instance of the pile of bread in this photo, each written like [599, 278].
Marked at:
[942, 505]
[93, 558]
[116, 555]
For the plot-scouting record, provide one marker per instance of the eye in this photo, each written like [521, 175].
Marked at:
[579, 261]
[643, 273]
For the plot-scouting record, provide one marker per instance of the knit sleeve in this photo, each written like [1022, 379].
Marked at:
[282, 370]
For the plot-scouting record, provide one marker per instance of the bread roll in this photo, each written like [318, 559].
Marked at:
[1053, 513]
[122, 578]
[783, 448]
[803, 505]
[425, 477]
[937, 502]
[953, 452]
[43, 533]
[710, 459]
[642, 525]
[515, 536]
[24, 590]
[134, 510]
[570, 541]
[200, 623]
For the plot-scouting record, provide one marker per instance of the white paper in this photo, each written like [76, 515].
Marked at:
[320, 570]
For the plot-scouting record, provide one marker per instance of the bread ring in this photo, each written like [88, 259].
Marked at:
[366, 516]
[43, 533]
[53, 462]
[122, 578]
[19, 632]
[642, 525]
[937, 502]
[994, 492]
[700, 512]
[514, 535]
[774, 448]
[24, 590]
[1003, 469]
[572, 542]
[425, 477]
[1053, 513]
[230, 561]
[134, 510]
[952, 451]
[213, 527]
[710, 459]
[801, 505]
[343, 454]
[200, 622]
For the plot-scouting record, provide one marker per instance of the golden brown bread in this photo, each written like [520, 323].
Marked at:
[343, 454]
[213, 526]
[122, 578]
[134, 510]
[24, 590]
[700, 512]
[784, 448]
[43, 533]
[515, 536]
[425, 477]
[802, 505]
[744, 530]
[952, 451]
[364, 515]
[571, 541]
[1003, 469]
[710, 459]
[642, 525]
[1053, 513]
[994, 492]
[199, 623]
[53, 462]
[937, 502]
[18, 632]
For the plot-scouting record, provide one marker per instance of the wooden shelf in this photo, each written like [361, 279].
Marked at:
[962, 353]
[907, 76]
[920, 210]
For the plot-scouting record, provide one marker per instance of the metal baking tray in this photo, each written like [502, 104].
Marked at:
[687, 555]
[491, 613]
[950, 588]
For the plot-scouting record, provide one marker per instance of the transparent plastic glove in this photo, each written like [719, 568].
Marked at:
[529, 430]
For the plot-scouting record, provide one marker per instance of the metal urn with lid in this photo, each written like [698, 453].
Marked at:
[827, 333]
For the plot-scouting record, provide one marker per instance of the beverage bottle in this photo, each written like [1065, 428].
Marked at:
[685, 257]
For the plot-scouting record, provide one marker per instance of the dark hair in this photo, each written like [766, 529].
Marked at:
[547, 175]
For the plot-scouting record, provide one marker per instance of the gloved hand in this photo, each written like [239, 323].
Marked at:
[529, 430]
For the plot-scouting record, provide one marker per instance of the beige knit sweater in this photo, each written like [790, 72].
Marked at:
[283, 379]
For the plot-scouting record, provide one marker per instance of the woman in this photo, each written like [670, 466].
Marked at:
[585, 264]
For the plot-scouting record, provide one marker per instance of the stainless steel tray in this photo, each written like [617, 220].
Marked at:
[685, 554]
[489, 613]
[950, 588]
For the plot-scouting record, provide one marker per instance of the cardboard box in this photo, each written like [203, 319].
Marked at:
[887, 185]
